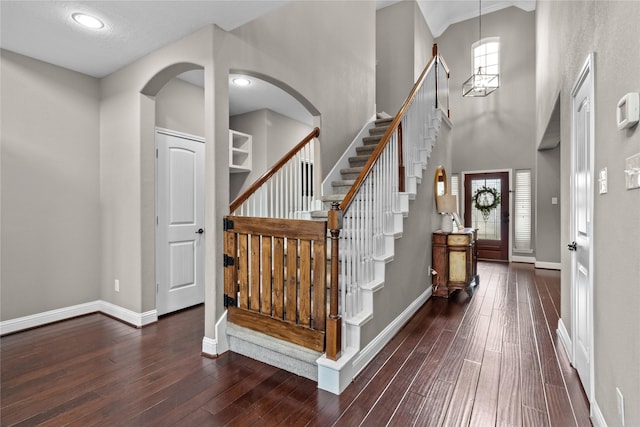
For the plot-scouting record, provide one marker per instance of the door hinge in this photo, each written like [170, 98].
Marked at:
[227, 224]
[156, 153]
[157, 287]
[230, 301]
[228, 260]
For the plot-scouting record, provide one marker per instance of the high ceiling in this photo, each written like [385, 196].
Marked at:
[44, 30]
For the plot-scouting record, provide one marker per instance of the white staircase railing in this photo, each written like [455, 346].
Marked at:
[380, 196]
[288, 190]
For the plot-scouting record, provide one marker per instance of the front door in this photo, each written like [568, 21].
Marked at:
[180, 221]
[581, 222]
[490, 189]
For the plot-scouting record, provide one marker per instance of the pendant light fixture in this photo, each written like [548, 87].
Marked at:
[480, 83]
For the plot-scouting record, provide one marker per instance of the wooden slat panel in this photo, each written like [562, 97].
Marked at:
[305, 284]
[319, 284]
[254, 283]
[231, 271]
[283, 330]
[265, 307]
[278, 278]
[291, 287]
[294, 228]
[243, 270]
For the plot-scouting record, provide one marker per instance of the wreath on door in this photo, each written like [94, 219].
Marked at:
[486, 199]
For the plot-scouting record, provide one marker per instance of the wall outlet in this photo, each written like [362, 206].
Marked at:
[117, 285]
[620, 405]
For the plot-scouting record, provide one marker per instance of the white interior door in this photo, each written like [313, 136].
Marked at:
[180, 221]
[582, 225]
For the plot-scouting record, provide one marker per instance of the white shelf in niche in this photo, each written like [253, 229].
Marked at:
[239, 151]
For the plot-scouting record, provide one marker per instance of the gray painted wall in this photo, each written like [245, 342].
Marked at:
[498, 131]
[403, 48]
[180, 107]
[547, 226]
[329, 59]
[50, 187]
[566, 33]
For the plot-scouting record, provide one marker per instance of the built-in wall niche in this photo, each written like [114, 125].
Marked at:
[239, 151]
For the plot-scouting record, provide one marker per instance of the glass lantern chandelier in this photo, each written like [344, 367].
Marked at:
[480, 83]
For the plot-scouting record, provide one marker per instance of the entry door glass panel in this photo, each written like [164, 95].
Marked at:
[493, 229]
[489, 228]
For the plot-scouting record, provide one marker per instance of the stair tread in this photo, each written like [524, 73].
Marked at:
[355, 169]
[366, 149]
[333, 197]
[386, 120]
[378, 130]
[374, 139]
[342, 182]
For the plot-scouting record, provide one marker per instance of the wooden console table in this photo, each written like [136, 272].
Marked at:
[455, 259]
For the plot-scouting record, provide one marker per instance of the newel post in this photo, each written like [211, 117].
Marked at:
[334, 321]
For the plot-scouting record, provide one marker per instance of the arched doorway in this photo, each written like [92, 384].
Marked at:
[172, 145]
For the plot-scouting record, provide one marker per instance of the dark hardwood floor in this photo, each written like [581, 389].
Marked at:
[490, 360]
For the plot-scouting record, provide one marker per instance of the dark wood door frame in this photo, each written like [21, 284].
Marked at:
[491, 249]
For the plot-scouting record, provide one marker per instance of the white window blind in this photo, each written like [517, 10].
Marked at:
[455, 189]
[522, 208]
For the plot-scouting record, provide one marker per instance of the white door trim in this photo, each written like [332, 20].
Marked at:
[461, 196]
[586, 76]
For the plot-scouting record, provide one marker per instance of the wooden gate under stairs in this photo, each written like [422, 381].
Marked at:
[275, 277]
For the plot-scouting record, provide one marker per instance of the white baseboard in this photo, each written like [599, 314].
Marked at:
[596, 415]
[335, 376]
[565, 339]
[39, 319]
[212, 347]
[548, 265]
[375, 346]
[525, 259]
[128, 316]
[209, 347]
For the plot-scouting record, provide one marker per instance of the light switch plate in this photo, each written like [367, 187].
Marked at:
[632, 172]
[602, 180]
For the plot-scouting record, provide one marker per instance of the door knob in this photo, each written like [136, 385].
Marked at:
[200, 231]
[573, 246]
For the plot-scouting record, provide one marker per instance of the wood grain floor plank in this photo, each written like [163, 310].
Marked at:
[463, 395]
[485, 405]
[509, 400]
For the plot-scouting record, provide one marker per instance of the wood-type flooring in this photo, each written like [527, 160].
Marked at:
[492, 360]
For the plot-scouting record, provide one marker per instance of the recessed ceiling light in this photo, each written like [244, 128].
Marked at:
[241, 81]
[88, 21]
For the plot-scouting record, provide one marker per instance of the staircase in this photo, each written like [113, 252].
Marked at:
[349, 174]
[372, 208]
